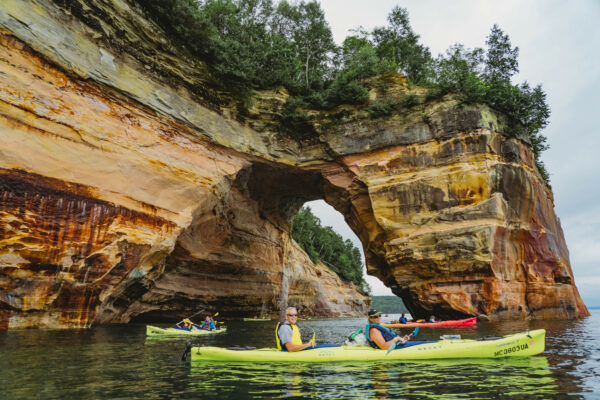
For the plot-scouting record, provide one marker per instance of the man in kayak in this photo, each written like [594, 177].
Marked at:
[208, 324]
[403, 319]
[378, 335]
[287, 334]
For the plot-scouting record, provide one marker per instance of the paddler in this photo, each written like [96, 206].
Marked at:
[185, 325]
[403, 319]
[208, 324]
[287, 334]
[378, 335]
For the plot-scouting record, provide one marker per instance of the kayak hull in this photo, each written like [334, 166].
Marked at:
[441, 324]
[516, 345]
[156, 331]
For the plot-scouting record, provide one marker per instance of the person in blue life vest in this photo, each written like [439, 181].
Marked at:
[403, 319]
[287, 334]
[378, 335]
[431, 319]
[208, 324]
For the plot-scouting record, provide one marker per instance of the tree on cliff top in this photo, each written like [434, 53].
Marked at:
[257, 44]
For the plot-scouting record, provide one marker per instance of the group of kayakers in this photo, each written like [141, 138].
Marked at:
[288, 338]
[187, 325]
[403, 319]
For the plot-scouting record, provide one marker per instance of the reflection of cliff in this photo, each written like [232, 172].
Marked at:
[125, 195]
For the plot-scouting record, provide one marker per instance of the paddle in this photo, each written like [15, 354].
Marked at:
[313, 340]
[393, 345]
[190, 317]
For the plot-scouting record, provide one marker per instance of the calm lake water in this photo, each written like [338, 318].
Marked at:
[119, 362]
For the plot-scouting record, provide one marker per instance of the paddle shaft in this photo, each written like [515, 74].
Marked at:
[191, 316]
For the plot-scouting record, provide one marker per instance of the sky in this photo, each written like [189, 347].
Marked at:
[559, 48]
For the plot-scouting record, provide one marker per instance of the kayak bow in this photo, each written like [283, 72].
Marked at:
[156, 331]
[516, 345]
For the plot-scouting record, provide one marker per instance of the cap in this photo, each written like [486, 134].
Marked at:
[373, 313]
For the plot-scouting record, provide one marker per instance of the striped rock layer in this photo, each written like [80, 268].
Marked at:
[132, 188]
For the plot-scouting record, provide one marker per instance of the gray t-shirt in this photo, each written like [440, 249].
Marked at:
[285, 333]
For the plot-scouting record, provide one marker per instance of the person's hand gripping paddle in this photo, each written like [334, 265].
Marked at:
[393, 345]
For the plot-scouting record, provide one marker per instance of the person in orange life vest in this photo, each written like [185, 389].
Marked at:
[287, 334]
[379, 335]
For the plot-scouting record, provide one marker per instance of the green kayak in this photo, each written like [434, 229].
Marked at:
[156, 331]
[517, 345]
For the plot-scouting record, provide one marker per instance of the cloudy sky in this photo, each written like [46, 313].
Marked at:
[559, 44]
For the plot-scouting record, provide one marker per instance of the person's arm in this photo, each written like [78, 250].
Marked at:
[285, 337]
[376, 336]
[297, 347]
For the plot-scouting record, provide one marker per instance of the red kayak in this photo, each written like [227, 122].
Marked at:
[440, 324]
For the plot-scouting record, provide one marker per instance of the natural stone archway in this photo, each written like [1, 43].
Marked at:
[126, 195]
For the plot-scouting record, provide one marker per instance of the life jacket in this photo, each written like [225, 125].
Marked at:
[296, 338]
[385, 332]
[403, 320]
[206, 326]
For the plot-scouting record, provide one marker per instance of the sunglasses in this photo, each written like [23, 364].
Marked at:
[292, 315]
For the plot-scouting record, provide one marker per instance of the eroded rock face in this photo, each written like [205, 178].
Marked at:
[127, 193]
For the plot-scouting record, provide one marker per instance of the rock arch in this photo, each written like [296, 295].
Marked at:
[125, 195]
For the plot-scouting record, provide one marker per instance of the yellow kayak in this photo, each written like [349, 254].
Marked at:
[517, 345]
[156, 331]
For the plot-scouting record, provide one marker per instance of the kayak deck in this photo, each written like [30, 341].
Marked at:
[441, 324]
[156, 331]
[516, 345]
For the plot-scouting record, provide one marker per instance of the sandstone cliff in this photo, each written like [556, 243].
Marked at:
[131, 188]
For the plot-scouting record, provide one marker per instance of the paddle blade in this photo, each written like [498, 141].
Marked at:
[392, 347]
[215, 314]
[414, 333]
[313, 339]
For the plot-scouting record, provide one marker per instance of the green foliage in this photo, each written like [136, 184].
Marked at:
[399, 46]
[323, 243]
[409, 101]
[295, 122]
[251, 44]
[502, 60]
[388, 304]
[377, 110]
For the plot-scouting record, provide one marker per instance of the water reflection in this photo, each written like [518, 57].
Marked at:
[120, 362]
[481, 379]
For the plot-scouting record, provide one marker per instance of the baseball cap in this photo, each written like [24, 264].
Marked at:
[373, 313]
